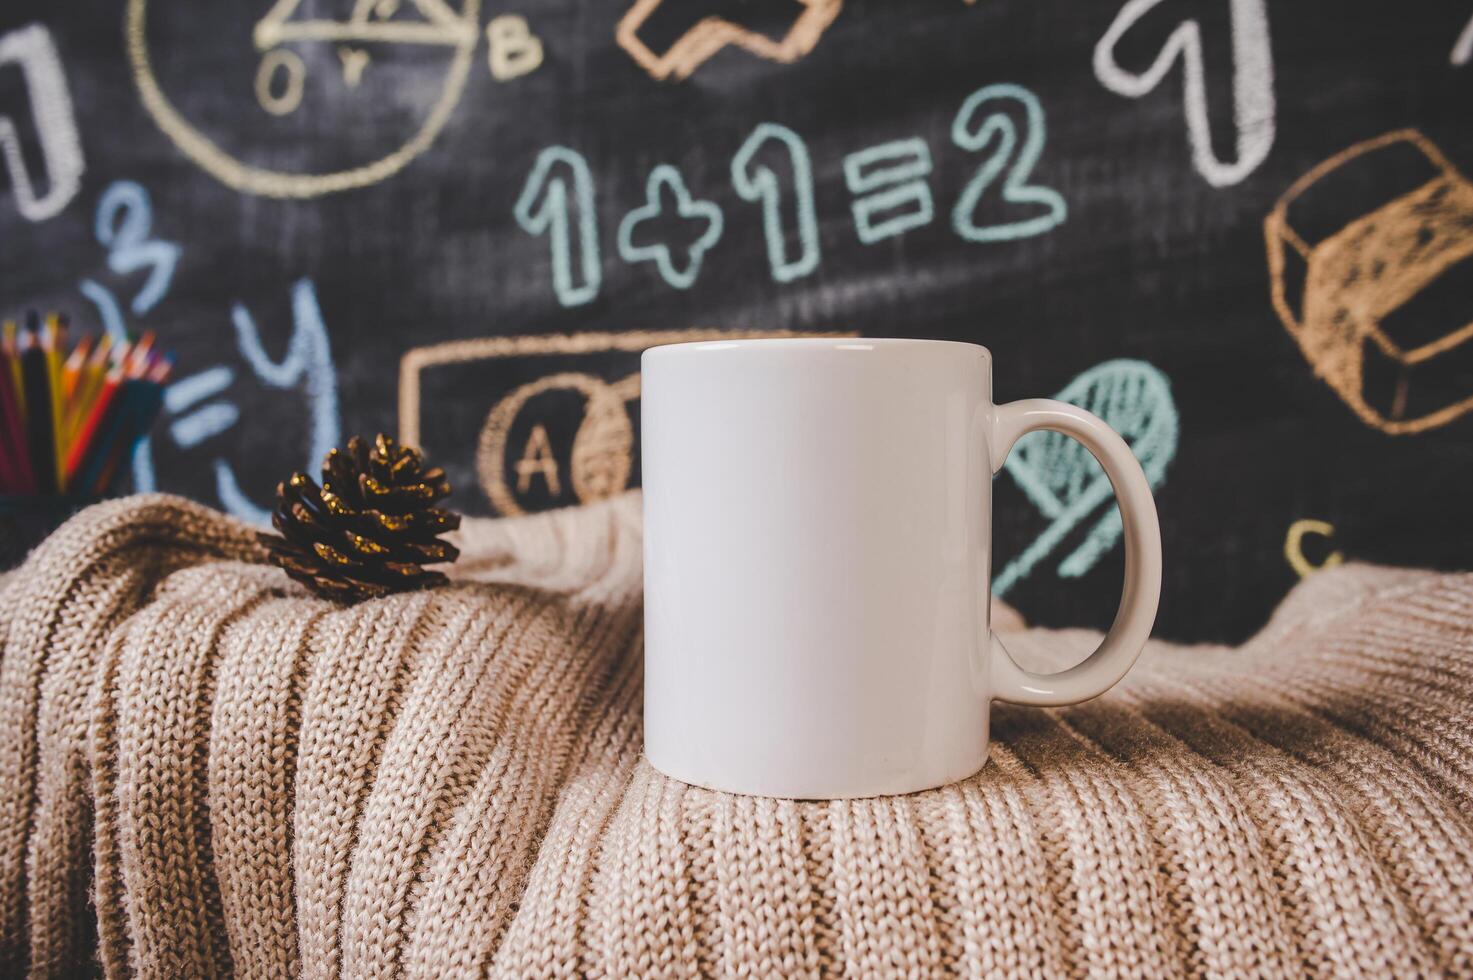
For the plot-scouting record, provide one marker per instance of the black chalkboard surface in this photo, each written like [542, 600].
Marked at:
[1237, 229]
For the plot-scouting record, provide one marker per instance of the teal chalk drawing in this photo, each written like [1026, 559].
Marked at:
[755, 182]
[123, 226]
[1066, 483]
[681, 277]
[974, 134]
[897, 189]
[557, 201]
[307, 364]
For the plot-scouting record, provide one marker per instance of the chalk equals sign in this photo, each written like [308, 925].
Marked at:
[208, 420]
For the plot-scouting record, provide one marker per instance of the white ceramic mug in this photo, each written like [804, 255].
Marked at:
[817, 521]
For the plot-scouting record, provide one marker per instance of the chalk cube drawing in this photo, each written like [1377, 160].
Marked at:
[1065, 482]
[1370, 256]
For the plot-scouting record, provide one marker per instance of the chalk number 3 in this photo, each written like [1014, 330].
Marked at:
[124, 227]
[983, 121]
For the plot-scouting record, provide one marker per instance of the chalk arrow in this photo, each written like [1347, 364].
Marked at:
[557, 200]
[1253, 82]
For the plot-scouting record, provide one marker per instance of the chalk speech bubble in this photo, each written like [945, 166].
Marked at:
[1067, 484]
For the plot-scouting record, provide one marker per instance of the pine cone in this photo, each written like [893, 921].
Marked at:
[369, 529]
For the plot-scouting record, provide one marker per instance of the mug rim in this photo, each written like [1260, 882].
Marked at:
[809, 344]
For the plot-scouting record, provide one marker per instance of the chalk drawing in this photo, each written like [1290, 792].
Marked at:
[124, 224]
[512, 50]
[547, 207]
[1253, 82]
[755, 182]
[307, 364]
[969, 135]
[890, 180]
[538, 460]
[108, 311]
[1294, 547]
[1351, 300]
[210, 420]
[280, 81]
[712, 33]
[603, 449]
[371, 21]
[355, 62]
[1463, 47]
[1065, 482]
[668, 178]
[31, 49]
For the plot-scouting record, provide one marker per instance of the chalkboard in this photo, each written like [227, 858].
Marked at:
[1239, 230]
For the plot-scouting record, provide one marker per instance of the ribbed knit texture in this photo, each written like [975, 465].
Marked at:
[205, 771]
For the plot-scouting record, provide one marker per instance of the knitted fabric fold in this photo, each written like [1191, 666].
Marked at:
[205, 771]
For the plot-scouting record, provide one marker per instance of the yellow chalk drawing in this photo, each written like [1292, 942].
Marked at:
[602, 458]
[603, 449]
[1294, 551]
[354, 60]
[369, 22]
[512, 50]
[538, 460]
[1358, 286]
[288, 66]
[710, 34]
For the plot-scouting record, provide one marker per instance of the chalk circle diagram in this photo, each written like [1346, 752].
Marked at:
[1371, 271]
[278, 82]
[710, 34]
[602, 457]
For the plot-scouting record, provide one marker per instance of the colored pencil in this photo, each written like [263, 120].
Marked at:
[53, 343]
[91, 430]
[40, 439]
[11, 344]
[71, 415]
[12, 421]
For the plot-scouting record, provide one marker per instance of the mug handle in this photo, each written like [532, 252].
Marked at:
[1142, 593]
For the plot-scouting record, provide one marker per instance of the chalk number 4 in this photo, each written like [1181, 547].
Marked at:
[982, 122]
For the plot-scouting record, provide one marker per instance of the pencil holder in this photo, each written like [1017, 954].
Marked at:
[26, 521]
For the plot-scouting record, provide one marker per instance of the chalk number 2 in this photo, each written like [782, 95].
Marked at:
[983, 121]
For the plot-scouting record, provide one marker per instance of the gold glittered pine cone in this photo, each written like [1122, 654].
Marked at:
[371, 527]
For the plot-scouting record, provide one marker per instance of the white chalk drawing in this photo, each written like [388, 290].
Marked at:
[756, 182]
[1253, 82]
[512, 50]
[888, 182]
[31, 49]
[557, 201]
[681, 275]
[1065, 482]
[1463, 47]
[974, 134]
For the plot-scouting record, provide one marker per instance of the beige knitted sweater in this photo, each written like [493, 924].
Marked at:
[205, 771]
